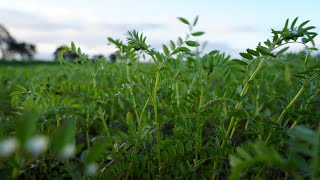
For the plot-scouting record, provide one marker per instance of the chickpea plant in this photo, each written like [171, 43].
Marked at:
[190, 113]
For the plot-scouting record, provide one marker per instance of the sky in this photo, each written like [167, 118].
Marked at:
[230, 26]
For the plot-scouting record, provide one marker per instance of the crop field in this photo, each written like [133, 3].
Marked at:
[187, 114]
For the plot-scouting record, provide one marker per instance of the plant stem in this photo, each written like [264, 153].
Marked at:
[15, 171]
[87, 132]
[135, 147]
[257, 104]
[199, 133]
[244, 91]
[190, 88]
[58, 120]
[142, 112]
[129, 170]
[131, 92]
[177, 94]
[290, 104]
[280, 118]
[315, 159]
[156, 118]
[233, 123]
[106, 129]
[94, 81]
[310, 98]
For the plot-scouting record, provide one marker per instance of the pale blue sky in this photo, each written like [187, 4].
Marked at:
[230, 26]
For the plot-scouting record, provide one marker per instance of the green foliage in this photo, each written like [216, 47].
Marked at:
[253, 155]
[186, 114]
[302, 157]
[26, 124]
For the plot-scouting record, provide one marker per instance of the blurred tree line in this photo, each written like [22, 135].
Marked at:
[11, 48]
[70, 56]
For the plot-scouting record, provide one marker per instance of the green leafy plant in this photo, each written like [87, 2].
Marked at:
[185, 112]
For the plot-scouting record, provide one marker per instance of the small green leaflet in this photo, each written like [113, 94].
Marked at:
[285, 28]
[302, 24]
[23, 89]
[246, 56]
[199, 33]
[172, 45]
[253, 52]
[184, 20]
[282, 51]
[294, 23]
[73, 47]
[180, 41]
[184, 49]
[309, 28]
[313, 49]
[165, 50]
[238, 62]
[264, 51]
[211, 53]
[192, 43]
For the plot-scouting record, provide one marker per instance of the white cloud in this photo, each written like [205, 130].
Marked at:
[48, 34]
[57, 24]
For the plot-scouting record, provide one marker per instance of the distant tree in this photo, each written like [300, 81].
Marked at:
[10, 47]
[98, 56]
[69, 56]
[25, 50]
[5, 39]
[113, 57]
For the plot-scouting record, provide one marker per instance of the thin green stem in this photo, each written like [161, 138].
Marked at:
[131, 92]
[244, 91]
[94, 81]
[233, 123]
[310, 98]
[135, 147]
[58, 120]
[15, 171]
[190, 88]
[199, 132]
[87, 132]
[177, 94]
[129, 171]
[156, 118]
[280, 118]
[142, 112]
[315, 158]
[106, 129]
[284, 111]
[257, 103]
